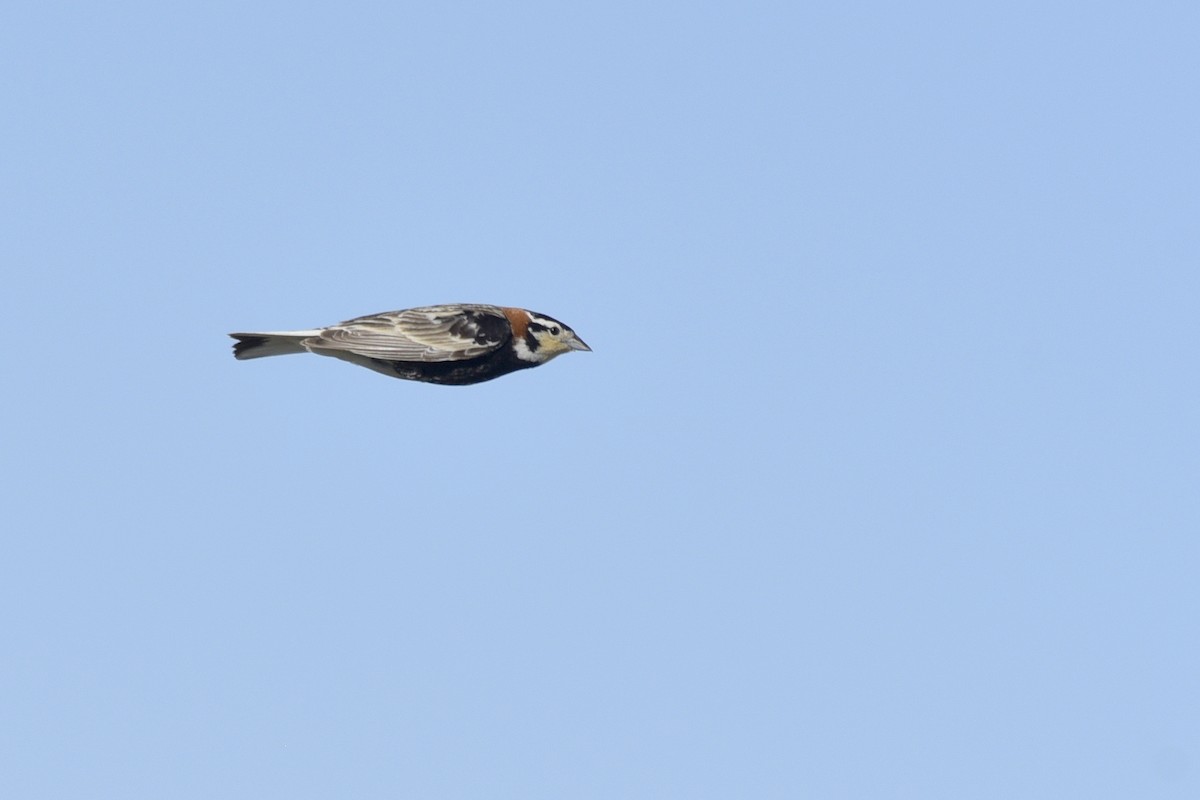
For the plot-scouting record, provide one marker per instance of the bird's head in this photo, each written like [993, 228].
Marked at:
[545, 337]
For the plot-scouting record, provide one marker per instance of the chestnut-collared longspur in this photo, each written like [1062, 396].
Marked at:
[453, 345]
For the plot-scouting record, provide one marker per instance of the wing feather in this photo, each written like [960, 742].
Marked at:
[431, 333]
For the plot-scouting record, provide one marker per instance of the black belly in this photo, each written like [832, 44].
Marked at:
[457, 373]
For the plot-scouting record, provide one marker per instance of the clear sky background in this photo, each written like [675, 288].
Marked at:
[880, 483]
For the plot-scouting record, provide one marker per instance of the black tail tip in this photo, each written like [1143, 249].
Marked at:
[246, 343]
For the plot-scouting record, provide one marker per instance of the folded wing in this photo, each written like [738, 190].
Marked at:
[432, 333]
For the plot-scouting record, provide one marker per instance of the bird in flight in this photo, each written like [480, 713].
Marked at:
[453, 345]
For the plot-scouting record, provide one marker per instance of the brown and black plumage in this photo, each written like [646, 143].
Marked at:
[452, 345]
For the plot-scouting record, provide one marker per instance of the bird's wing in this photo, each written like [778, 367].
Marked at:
[433, 333]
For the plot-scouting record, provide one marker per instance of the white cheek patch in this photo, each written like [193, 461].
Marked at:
[547, 349]
[521, 347]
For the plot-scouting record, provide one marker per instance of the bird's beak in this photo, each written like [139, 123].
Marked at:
[578, 344]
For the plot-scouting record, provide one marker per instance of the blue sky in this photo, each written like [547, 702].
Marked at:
[880, 482]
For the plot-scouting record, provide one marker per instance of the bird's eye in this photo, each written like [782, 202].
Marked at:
[554, 330]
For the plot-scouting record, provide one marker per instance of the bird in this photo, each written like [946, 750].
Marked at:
[451, 345]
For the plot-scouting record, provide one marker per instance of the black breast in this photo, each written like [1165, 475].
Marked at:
[460, 373]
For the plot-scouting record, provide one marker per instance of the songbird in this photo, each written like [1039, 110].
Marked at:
[453, 345]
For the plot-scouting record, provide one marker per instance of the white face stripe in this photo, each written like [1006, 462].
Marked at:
[548, 322]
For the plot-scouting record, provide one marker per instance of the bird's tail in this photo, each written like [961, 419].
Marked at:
[261, 345]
